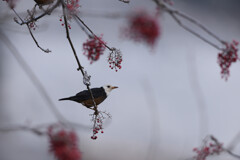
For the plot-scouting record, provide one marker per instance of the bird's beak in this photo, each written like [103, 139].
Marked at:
[114, 87]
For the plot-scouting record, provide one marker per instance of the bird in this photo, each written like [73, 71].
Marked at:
[84, 97]
[44, 2]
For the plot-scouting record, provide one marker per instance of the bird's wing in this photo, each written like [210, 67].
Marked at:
[97, 92]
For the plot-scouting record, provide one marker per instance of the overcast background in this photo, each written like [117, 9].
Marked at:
[168, 100]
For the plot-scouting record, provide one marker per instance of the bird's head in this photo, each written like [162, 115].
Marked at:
[109, 88]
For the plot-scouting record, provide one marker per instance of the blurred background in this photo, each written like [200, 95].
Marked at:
[169, 98]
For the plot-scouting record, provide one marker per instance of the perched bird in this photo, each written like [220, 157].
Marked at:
[44, 2]
[84, 97]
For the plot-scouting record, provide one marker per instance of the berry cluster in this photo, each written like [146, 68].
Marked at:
[210, 147]
[93, 48]
[30, 17]
[115, 59]
[97, 119]
[143, 27]
[63, 144]
[32, 25]
[72, 6]
[227, 57]
[98, 127]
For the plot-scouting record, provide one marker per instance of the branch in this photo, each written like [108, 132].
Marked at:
[194, 21]
[97, 116]
[76, 57]
[83, 28]
[231, 153]
[109, 48]
[44, 50]
[234, 142]
[125, 1]
[35, 130]
[192, 31]
[47, 12]
[225, 149]
[36, 82]
[174, 13]
[113, 15]
[29, 29]
[39, 129]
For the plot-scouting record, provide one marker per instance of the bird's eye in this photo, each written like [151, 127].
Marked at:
[108, 86]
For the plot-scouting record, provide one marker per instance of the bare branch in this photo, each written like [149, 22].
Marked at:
[125, 1]
[174, 13]
[44, 50]
[225, 149]
[113, 15]
[36, 82]
[47, 12]
[29, 29]
[35, 130]
[76, 57]
[193, 32]
[194, 21]
[109, 48]
[234, 142]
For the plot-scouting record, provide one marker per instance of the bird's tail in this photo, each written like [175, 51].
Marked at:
[63, 99]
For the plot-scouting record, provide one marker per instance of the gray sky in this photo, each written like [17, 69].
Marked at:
[168, 74]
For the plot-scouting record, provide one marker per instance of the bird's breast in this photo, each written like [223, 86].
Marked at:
[89, 102]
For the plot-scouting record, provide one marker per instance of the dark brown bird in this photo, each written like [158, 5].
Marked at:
[84, 97]
[44, 2]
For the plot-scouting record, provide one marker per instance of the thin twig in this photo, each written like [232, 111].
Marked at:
[34, 130]
[47, 12]
[125, 1]
[225, 149]
[234, 142]
[113, 15]
[109, 48]
[29, 29]
[38, 129]
[194, 21]
[174, 13]
[83, 28]
[231, 153]
[36, 42]
[193, 32]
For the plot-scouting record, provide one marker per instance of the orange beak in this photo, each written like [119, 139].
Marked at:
[114, 87]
